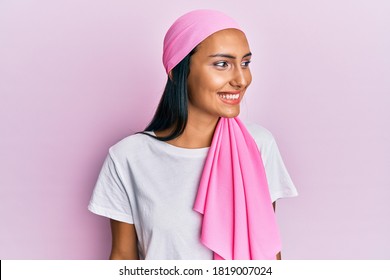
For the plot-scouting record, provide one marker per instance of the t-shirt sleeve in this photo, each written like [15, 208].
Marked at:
[279, 180]
[110, 197]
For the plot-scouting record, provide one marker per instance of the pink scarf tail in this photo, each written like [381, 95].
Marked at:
[233, 196]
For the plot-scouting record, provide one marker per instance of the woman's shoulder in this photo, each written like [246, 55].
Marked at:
[132, 144]
[262, 135]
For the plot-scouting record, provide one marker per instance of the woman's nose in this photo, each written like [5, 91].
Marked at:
[240, 78]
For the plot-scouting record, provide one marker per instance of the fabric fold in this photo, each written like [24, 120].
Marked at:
[233, 196]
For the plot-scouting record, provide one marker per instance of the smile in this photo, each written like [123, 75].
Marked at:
[230, 96]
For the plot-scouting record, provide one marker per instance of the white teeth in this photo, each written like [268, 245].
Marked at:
[230, 96]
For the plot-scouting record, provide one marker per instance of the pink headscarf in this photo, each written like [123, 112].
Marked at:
[189, 30]
[233, 196]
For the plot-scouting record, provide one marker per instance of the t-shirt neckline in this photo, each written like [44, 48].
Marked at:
[179, 150]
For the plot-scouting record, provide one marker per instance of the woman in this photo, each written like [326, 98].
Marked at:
[193, 185]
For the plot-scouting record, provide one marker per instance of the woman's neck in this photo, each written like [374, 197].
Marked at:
[197, 134]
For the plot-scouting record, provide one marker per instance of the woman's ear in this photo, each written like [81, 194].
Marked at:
[170, 75]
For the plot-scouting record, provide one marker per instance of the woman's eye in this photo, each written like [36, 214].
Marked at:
[246, 63]
[221, 64]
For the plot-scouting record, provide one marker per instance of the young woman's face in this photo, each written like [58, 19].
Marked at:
[219, 75]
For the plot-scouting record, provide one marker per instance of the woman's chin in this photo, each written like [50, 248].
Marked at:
[231, 113]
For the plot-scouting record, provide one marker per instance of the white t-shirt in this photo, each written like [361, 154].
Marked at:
[153, 185]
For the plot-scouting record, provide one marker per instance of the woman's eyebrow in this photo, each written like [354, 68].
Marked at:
[228, 55]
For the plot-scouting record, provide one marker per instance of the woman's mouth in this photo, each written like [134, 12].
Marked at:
[230, 97]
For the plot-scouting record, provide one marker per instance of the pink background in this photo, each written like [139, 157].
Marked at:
[77, 76]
